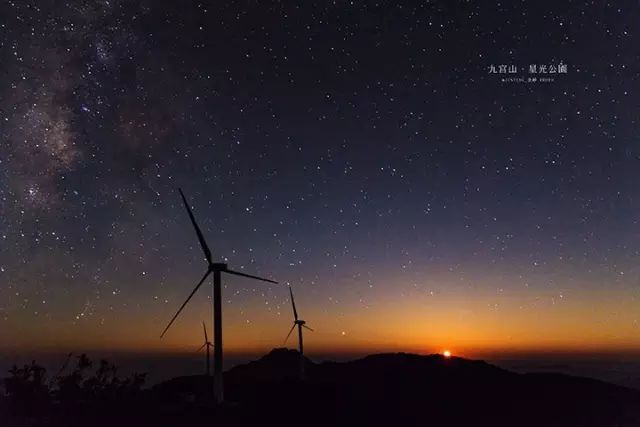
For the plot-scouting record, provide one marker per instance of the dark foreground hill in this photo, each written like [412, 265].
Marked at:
[410, 389]
[385, 389]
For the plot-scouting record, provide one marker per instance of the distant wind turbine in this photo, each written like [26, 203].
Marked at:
[206, 344]
[217, 268]
[301, 324]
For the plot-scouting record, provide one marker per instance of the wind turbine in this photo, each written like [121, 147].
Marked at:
[206, 344]
[217, 268]
[301, 324]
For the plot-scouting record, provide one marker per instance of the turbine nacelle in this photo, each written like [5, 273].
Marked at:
[218, 266]
[205, 345]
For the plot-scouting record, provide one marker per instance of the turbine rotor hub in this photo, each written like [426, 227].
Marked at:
[219, 266]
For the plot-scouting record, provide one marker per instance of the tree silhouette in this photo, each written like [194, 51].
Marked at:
[70, 386]
[27, 389]
[104, 385]
[30, 394]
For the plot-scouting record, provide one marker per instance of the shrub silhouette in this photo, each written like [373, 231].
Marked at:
[70, 386]
[30, 394]
[27, 390]
[104, 385]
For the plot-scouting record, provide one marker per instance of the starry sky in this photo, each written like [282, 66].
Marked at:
[363, 152]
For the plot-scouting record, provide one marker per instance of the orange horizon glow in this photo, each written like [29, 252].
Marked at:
[476, 323]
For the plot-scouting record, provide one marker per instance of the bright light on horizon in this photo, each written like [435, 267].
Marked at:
[446, 353]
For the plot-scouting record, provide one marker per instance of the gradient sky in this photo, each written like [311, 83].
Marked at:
[361, 152]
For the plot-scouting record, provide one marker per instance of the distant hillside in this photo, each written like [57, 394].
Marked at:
[417, 390]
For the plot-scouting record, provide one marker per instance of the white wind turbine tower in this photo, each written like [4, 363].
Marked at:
[217, 268]
[208, 345]
[301, 324]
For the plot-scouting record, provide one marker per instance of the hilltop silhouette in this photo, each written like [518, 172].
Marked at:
[399, 388]
[413, 389]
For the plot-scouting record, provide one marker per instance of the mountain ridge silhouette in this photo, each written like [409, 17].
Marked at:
[405, 388]
[379, 389]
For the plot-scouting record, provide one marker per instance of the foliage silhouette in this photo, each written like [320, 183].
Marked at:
[27, 390]
[29, 394]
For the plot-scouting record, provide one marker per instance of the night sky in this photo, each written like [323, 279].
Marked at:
[364, 153]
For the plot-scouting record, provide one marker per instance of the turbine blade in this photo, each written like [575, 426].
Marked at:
[305, 326]
[185, 303]
[293, 302]
[200, 349]
[289, 334]
[249, 276]
[206, 338]
[203, 244]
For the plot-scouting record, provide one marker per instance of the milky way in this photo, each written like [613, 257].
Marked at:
[365, 154]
